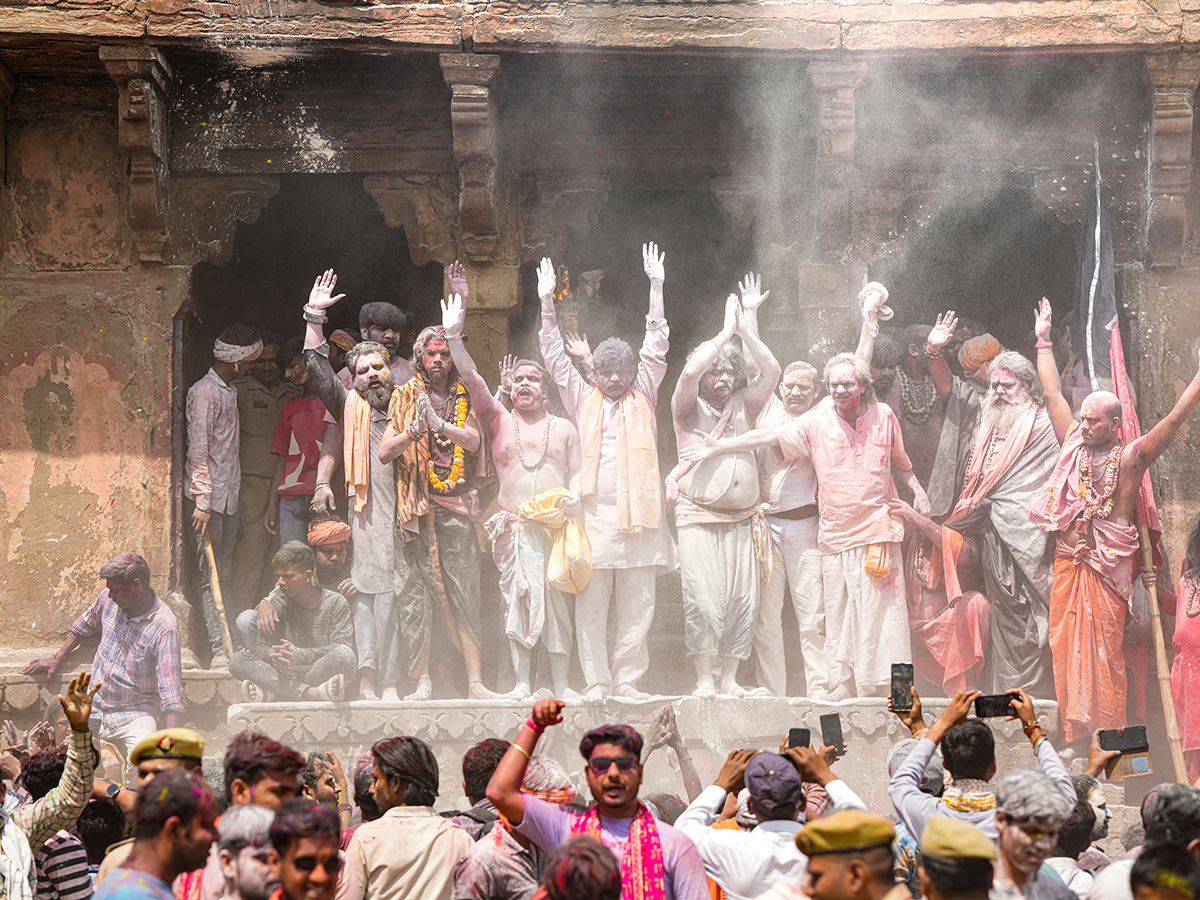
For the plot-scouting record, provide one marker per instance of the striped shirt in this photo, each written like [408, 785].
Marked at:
[62, 869]
[61, 807]
[137, 661]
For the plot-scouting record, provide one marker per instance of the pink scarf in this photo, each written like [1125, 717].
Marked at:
[979, 483]
[643, 876]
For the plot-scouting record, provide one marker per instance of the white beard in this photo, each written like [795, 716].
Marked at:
[1002, 416]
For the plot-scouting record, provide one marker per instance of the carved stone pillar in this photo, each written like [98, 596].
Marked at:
[8, 87]
[144, 79]
[1174, 77]
[836, 83]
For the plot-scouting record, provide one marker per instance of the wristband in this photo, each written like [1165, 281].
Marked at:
[932, 354]
[316, 316]
[505, 391]
[453, 336]
[1030, 727]
[321, 484]
[521, 749]
[1045, 345]
[441, 428]
[343, 807]
[534, 726]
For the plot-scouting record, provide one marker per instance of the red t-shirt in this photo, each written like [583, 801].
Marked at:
[298, 438]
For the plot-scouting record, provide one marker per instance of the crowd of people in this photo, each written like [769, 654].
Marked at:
[270, 823]
[948, 503]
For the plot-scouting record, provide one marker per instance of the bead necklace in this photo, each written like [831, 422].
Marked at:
[1098, 504]
[458, 467]
[916, 400]
[517, 435]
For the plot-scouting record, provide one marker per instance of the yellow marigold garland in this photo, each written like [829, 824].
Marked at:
[458, 467]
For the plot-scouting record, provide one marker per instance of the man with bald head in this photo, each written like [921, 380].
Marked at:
[1089, 507]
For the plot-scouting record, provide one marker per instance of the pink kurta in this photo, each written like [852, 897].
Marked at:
[1185, 672]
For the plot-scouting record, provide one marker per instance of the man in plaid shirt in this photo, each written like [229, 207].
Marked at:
[137, 661]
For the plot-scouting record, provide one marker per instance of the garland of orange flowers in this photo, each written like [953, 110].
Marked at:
[458, 468]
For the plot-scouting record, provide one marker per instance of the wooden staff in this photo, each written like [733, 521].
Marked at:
[1160, 662]
[219, 603]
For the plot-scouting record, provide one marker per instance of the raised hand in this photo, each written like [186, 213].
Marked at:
[872, 298]
[547, 712]
[652, 262]
[77, 702]
[911, 718]
[456, 278]
[751, 290]
[453, 315]
[10, 735]
[322, 289]
[1022, 707]
[577, 347]
[547, 281]
[732, 777]
[508, 365]
[1042, 320]
[942, 331]
[1098, 758]
[733, 316]
[41, 737]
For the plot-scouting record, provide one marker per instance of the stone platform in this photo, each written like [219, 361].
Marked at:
[712, 728]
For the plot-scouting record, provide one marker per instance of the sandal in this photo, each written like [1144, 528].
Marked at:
[333, 690]
[256, 693]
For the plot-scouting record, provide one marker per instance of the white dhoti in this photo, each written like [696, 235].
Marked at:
[631, 591]
[866, 620]
[796, 563]
[720, 588]
[533, 609]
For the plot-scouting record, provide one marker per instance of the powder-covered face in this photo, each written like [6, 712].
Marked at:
[331, 556]
[387, 335]
[844, 387]
[615, 381]
[1097, 425]
[437, 362]
[716, 385]
[797, 390]
[527, 389]
[1026, 843]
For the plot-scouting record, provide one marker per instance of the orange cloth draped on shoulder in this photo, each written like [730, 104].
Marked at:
[356, 447]
[639, 487]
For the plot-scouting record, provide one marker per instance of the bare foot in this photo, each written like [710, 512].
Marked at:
[366, 692]
[478, 692]
[424, 690]
[733, 689]
[519, 692]
[841, 692]
[629, 692]
[390, 695]
[705, 690]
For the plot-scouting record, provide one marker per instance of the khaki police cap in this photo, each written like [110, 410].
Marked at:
[170, 743]
[844, 832]
[948, 838]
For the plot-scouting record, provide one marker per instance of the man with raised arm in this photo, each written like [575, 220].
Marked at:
[537, 461]
[857, 452]
[1003, 454]
[1088, 507]
[622, 488]
[360, 414]
[433, 434]
[717, 502]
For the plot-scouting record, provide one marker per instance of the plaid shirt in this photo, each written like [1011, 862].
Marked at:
[62, 805]
[137, 661]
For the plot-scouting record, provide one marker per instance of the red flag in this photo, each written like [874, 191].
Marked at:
[1131, 430]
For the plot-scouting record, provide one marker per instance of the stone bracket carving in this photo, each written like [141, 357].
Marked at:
[836, 83]
[207, 209]
[425, 206]
[144, 79]
[476, 92]
[555, 204]
[1174, 77]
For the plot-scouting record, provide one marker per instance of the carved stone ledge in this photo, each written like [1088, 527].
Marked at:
[425, 206]
[144, 79]
[207, 209]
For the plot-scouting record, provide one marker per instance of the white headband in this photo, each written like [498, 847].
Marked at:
[236, 353]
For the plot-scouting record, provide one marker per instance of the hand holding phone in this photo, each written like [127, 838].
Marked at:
[831, 734]
[902, 685]
[799, 737]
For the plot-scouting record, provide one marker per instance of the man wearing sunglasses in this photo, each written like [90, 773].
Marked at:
[305, 837]
[656, 859]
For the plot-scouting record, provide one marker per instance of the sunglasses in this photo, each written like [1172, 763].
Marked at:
[601, 764]
[332, 864]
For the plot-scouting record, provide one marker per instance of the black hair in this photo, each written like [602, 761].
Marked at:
[380, 312]
[288, 351]
[42, 771]
[301, 818]
[412, 761]
[478, 765]
[250, 756]
[1076, 832]
[1176, 816]
[100, 825]
[309, 774]
[176, 793]
[622, 736]
[582, 869]
[969, 749]
[1166, 867]
[239, 335]
[363, 779]
[888, 352]
[668, 806]
[969, 879]
[365, 348]
[270, 337]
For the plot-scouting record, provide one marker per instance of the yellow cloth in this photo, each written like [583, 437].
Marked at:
[879, 561]
[639, 498]
[569, 566]
[356, 447]
[412, 466]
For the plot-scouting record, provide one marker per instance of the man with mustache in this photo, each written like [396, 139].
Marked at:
[433, 435]
[378, 568]
[538, 463]
[716, 509]
[622, 489]
[988, 483]
[1088, 508]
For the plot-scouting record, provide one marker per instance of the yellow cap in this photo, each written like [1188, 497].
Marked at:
[170, 743]
[948, 838]
[844, 832]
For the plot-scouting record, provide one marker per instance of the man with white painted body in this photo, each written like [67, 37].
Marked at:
[717, 502]
[621, 485]
[534, 453]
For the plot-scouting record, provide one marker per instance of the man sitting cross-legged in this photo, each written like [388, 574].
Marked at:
[314, 653]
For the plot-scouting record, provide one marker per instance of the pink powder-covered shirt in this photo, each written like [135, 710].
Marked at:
[854, 472]
[213, 475]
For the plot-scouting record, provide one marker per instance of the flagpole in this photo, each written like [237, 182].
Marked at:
[1160, 663]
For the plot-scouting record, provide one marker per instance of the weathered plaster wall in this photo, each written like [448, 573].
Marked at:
[85, 381]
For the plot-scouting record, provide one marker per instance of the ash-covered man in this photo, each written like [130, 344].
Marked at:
[718, 498]
[858, 454]
[997, 453]
[433, 435]
[1088, 508]
[212, 481]
[915, 399]
[622, 488]
[537, 461]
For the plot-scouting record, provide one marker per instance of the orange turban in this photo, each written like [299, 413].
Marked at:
[330, 532]
[343, 339]
[976, 353]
